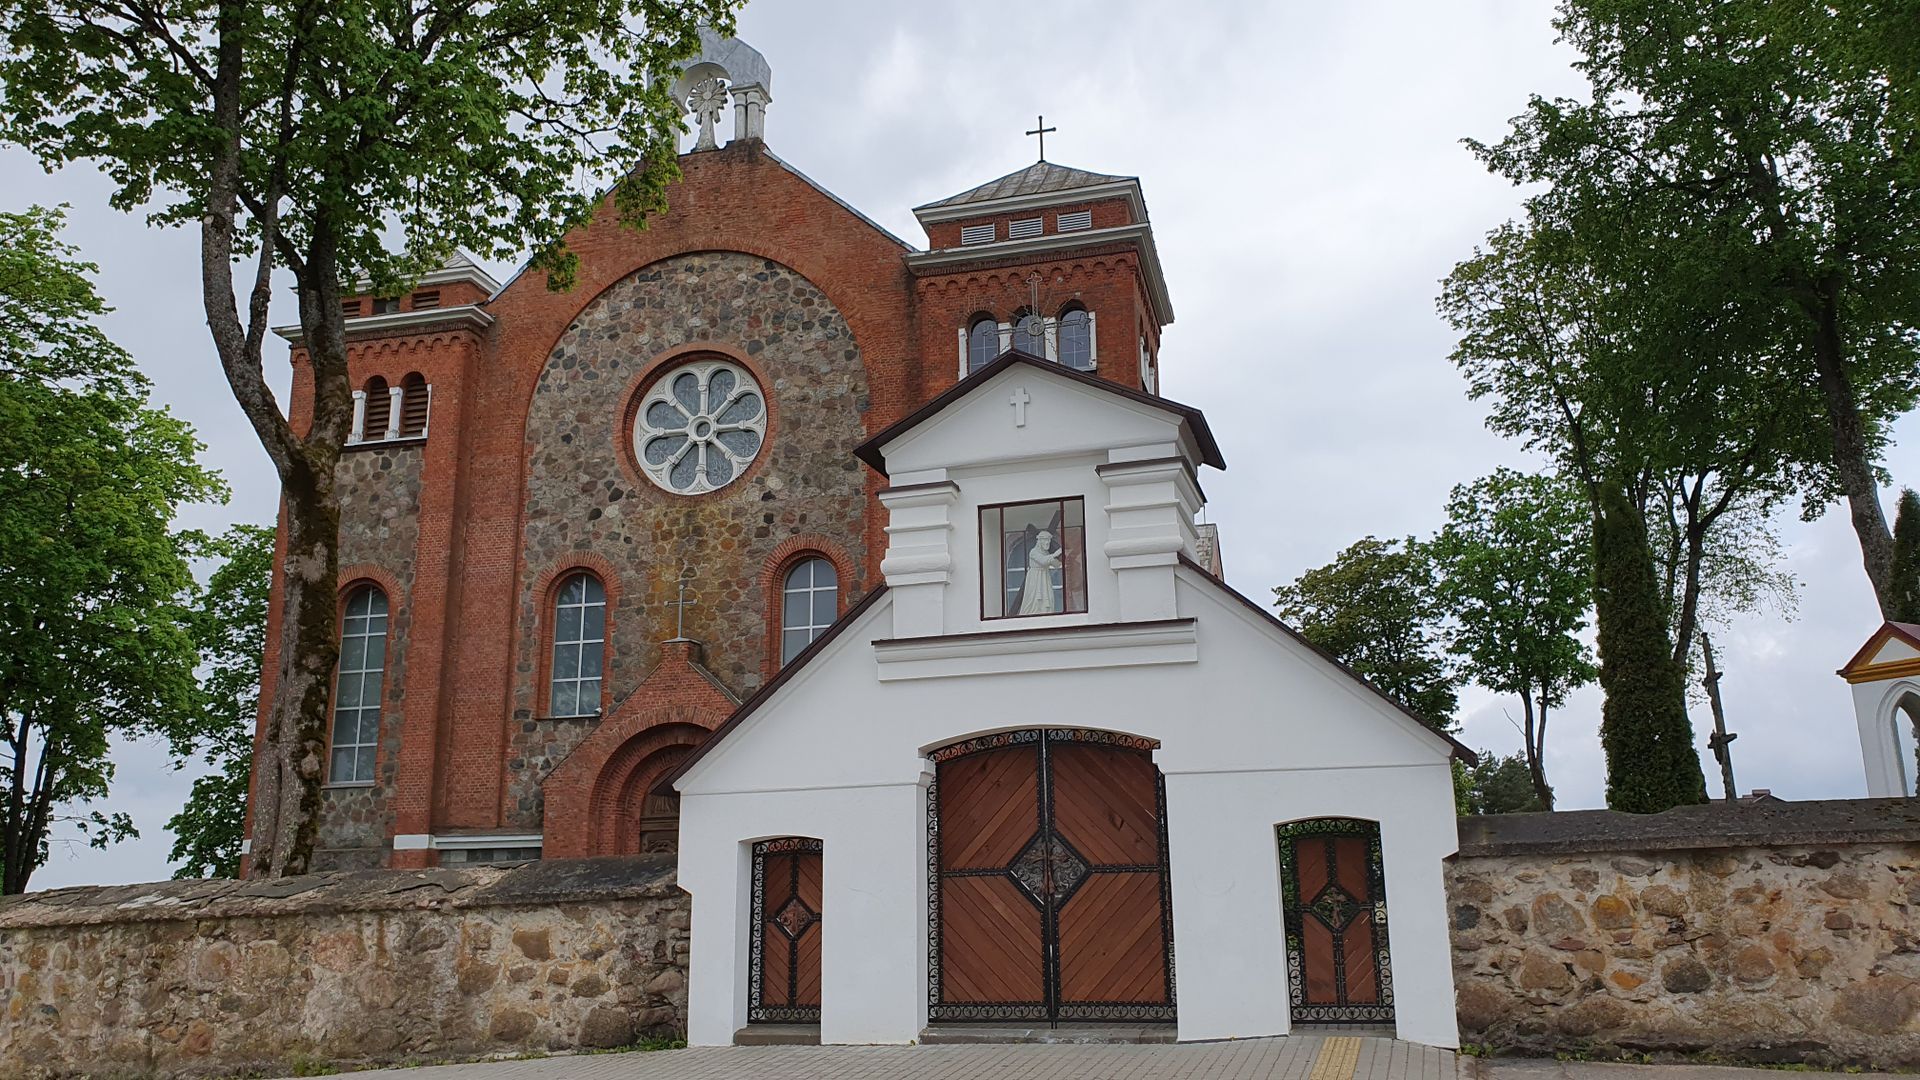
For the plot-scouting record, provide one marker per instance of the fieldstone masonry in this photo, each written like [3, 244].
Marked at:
[1788, 932]
[194, 978]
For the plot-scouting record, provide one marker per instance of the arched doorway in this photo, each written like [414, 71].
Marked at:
[1333, 894]
[1048, 890]
[1906, 742]
[627, 815]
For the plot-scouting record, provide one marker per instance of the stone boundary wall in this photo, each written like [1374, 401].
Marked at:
[1782, 932]
[211, 978]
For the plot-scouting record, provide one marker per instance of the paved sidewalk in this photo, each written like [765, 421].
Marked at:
[1549, 1069]
[1305, 1057]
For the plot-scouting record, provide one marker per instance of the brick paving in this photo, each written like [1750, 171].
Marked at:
[1304, 1057]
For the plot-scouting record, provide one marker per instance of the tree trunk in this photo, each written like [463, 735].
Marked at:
[286, 813]
[1536, 735]
[1852, 459]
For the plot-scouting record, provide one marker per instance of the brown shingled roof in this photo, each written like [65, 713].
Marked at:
[1039, 177]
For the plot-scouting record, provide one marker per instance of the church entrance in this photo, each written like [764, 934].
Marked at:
[1333, 889]
[1048, 890]
[783, 985]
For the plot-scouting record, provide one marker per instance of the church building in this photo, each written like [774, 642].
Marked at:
[866, 577]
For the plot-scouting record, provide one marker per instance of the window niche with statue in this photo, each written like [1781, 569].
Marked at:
[1033, 559]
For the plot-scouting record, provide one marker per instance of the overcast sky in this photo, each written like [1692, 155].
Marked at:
[1303, 169]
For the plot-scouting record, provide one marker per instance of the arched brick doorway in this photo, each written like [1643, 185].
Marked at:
[627, 816]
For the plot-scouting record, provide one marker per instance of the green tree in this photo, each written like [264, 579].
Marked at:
[1515, 561]
[1652, 764]
[1373, 609]
[1904, 586]
[1501, 785]
[229, 626]
[93, 642]
[1770, 150]
[301, 136]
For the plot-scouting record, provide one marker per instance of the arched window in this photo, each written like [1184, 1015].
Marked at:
[1030, 333]
[356, 695]
[379, 409]
[579, 644]
[983, 343]
[414, 396]
[1076, 339]
[1906, 717]
[809, 602]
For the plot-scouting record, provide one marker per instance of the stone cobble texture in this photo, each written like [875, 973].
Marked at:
[380, 530]
[228, 978]
[1787, 952]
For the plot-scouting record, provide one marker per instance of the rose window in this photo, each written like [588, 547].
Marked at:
[700, 426]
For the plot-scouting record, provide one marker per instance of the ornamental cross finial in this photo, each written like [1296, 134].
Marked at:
[705, 100]
[1040, 128]
[681, 603]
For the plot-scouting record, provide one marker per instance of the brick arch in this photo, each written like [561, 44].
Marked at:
[356, 574]
[773, 581]
[594, 796]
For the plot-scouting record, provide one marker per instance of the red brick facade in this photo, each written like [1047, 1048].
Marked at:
[527, 473]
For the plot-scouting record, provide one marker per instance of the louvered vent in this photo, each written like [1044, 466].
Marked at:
[350, 308]
[1082, 219]
[379, 407]
[414, 398]
[977, 234]
[426, 298]
[1023, 230]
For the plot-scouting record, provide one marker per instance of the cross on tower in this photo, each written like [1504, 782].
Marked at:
[1040, 128]
[681, 603]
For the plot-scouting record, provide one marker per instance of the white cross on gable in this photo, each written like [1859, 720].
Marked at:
[1019, 403]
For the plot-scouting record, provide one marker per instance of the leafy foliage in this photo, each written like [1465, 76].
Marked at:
[304, 136]
[1652, 764]
[93, 636]
[1515, 580]
[1904, 591]
[1747, 172]
[1501, 785]
[1372, 608]
[229, 626]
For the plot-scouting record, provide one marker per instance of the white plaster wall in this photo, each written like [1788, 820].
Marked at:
[1875, 713]
[1257, 731]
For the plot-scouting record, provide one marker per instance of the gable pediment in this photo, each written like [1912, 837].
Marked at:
[1893, 652]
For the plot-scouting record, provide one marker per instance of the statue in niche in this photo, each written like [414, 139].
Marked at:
[1036, 591]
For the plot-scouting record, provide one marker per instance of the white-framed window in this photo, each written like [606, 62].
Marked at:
[809, 603]
[983, 343]
[1079, 219]
[1075, 339]
[579, 646]
[1033, 559]
[1030, 334]
[1025, 230]
[978, 234]
[358, 686]
[1905, 751]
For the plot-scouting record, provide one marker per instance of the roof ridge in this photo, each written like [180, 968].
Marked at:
[1039, 177]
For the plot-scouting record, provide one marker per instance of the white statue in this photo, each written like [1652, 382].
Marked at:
[1036, 593]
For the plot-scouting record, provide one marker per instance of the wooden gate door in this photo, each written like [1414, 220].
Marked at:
[1048, 885]
[783, 985]
[1338, 969]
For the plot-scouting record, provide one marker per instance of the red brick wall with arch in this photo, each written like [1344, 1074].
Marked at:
[789, 554]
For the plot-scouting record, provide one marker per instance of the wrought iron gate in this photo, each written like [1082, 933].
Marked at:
[1334, 893]
[783, 984]
[1047, 886]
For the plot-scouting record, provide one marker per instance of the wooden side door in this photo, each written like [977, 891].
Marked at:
[784, 978]
[1338, 965]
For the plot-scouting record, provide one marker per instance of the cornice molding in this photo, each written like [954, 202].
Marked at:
[1139, 234]
[1128, 189]
[460, 316]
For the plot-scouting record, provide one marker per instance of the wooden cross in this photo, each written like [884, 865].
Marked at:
[1019, 403]
[681, 604]
[1040, 128]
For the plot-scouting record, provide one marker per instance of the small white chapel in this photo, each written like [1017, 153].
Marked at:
[1055, 772]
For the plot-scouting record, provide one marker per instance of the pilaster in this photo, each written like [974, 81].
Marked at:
[919, 562]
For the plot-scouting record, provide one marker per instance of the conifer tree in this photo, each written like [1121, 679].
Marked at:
[1652, 764]
[1903, 591]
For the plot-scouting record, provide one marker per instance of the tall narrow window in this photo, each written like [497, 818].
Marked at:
[809, 603]
[356, 695]
[1033, 559]
[414, 397]
[1076, 340]
[579, 645]
[1030, 334]
[983, 343]
[379, 408]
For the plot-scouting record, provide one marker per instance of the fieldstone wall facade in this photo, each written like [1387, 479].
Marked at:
[379, 489]
[215, 978]
[1780, 933]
